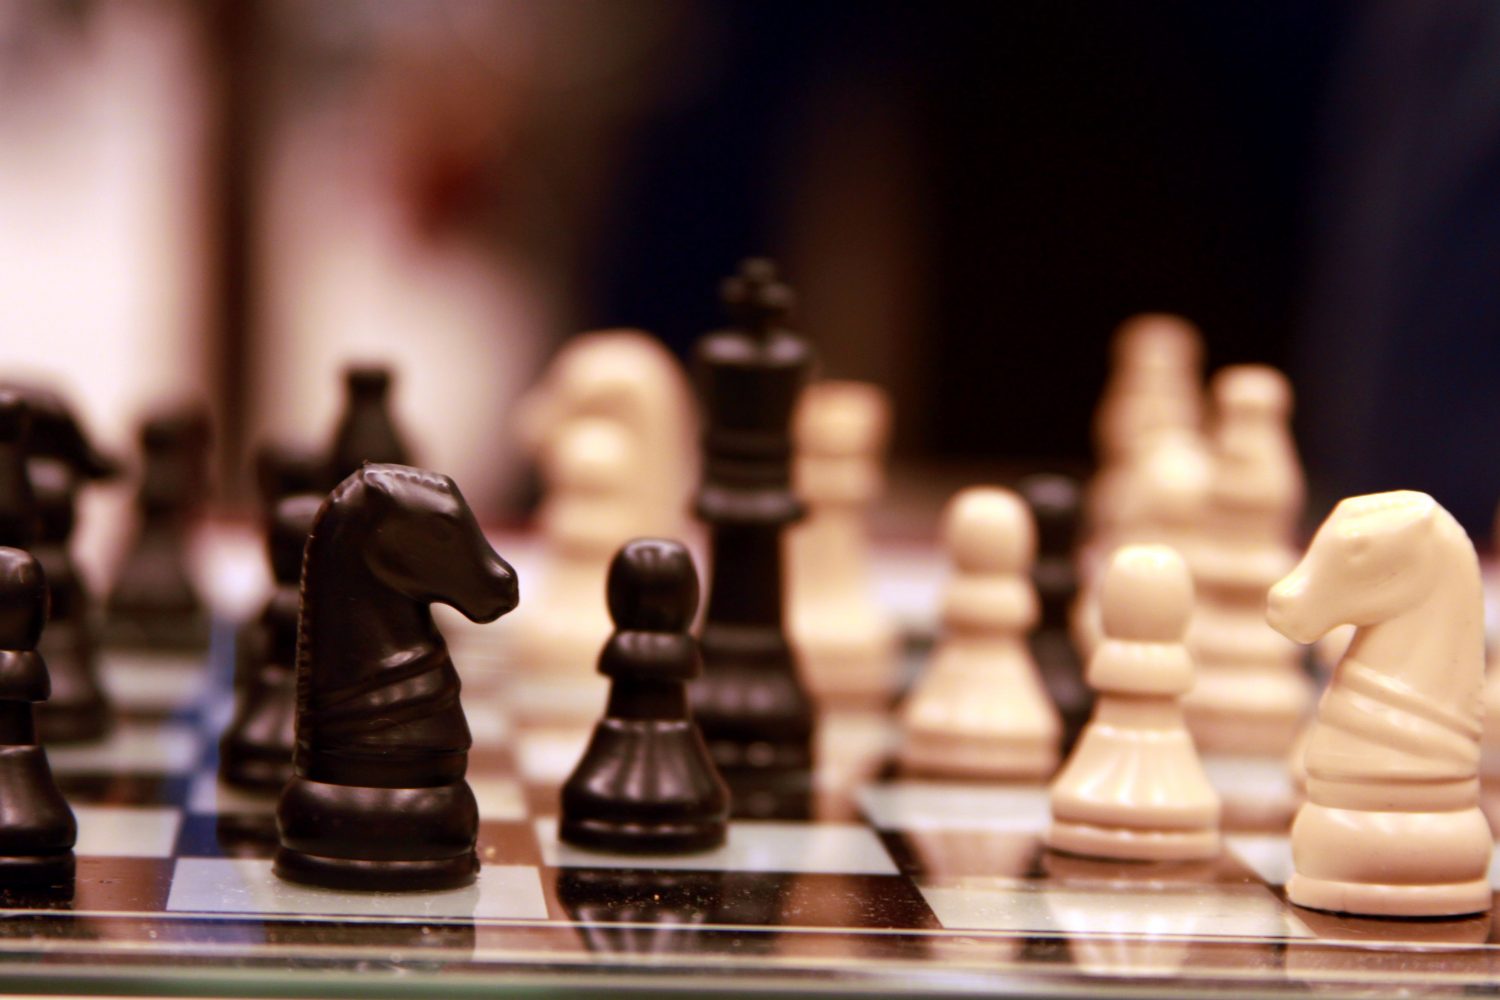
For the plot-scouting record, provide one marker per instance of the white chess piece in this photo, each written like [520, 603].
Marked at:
[1134, 788]
[1490, 762]
[1161, 504]
[980, 709]
[1392, 825]
[1252, 694]
[1155, 383]
[627, 376]
[846, 644]
[588, 464]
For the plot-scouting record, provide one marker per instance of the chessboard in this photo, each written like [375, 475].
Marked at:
[893, 885]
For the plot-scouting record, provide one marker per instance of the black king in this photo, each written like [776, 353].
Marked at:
[754, 712]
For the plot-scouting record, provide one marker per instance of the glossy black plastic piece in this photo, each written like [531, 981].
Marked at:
[646, 783]
[378, 799]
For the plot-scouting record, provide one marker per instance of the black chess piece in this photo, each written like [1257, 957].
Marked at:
[255, 751]
[750, 703]
[377, 799]
[1055, 505]
[37, 829]
[366, 431]
[646, 783]
[281, 470]
[60, 460]
[154, 603]
[78, 709]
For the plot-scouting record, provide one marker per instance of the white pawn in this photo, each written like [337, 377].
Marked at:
[846, 644]
[1134, 788]
[1155, 383]
[587, 463]
[1252, 694]
[980, 710]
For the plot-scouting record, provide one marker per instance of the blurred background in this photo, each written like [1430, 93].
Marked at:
[228, 200]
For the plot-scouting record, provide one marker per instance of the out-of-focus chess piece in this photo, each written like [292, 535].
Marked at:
[1252, 694]
[366, 430]
[846, 645]
[980, 710]
[630, 378]
[154, 603]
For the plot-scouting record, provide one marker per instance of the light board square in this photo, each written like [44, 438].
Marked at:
[247, 885]
[127, 831]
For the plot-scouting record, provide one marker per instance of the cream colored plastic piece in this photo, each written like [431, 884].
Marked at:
[980, 710]
[563, 622]
[1252, 695]
[1327, 652]
[1134, 788]
[1155, 383]
[1392, 825]
[629, 377]
[846, 644]
[1161, 501]
[1490, 762]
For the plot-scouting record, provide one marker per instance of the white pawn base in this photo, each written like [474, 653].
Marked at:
[1132, 843]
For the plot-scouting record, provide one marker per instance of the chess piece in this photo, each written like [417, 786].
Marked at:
[60, 461]
[629, 378]
[1252, 693]
[753, 709]
[255, 751]
[1054, 501]
[282, 469]
[980, 710]
[1134, 788]
[1155, 383]
[37, 829]
[365, 432]
[585, 517]
[846, 644]
[1392, 825]
[377, 800]
[646, 783]
[1490, 760]
[77, 709]
[1161, 501]
[154, 603]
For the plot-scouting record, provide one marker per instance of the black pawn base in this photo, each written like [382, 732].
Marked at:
[38, 872]
[377, 839]
[676, 811]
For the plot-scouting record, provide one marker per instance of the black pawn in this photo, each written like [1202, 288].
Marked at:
[256, 750]
[366, 431]
[1055, 504]
[37, 829]
[154, 603]
[755, 713]
[646, 783]
[77, 709]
